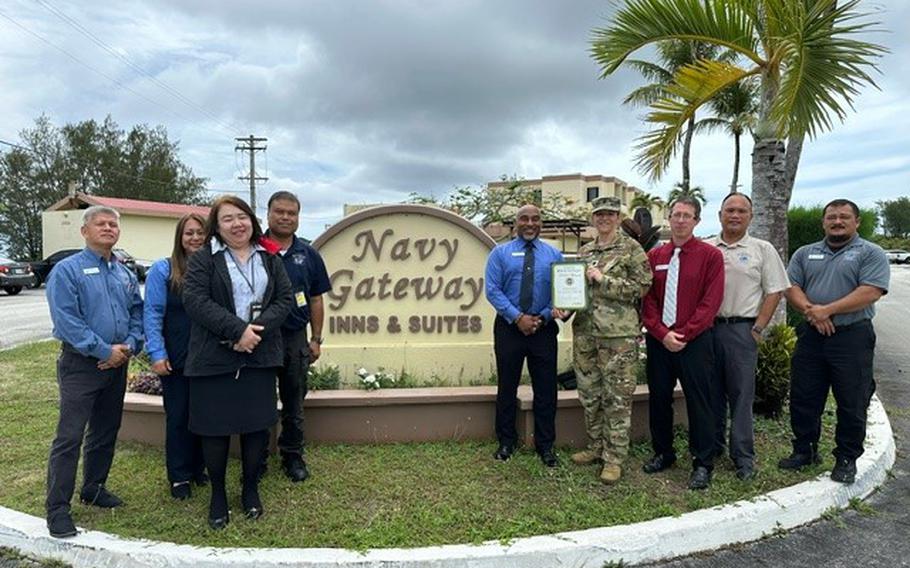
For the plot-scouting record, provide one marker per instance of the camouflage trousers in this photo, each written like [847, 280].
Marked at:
[605, 370]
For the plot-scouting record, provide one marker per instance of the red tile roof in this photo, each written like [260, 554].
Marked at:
[129, 206]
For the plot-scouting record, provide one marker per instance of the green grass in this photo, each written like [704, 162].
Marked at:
[10, 557]
[397, 495]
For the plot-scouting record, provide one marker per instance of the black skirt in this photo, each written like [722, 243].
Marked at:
[221, 405]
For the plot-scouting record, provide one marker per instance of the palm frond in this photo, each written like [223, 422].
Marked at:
[822, 65]
[643, 22]
[693, 86]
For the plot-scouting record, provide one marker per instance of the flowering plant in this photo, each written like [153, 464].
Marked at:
[374, 381]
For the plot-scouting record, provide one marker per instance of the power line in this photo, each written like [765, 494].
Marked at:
[164, 86]
[92, 68]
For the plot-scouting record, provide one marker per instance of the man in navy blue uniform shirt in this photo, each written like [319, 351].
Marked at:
[309, 281]
[518, 286]
[96, 310]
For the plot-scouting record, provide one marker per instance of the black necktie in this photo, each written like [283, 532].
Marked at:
[527, 279]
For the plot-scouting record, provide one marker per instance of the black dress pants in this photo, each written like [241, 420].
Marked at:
[694, 367]
[292, 390]
[540, 349]
[843, 363]
[88, 397]
[182, 448]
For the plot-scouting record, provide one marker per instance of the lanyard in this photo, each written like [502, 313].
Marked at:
[251, 281]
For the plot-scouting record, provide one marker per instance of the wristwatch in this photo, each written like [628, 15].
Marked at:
[317, 339]
[758, 329]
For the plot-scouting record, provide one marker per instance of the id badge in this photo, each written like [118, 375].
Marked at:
[255, 311]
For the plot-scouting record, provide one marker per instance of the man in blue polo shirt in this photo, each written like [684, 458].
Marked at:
[836, 283]
[309, 281]
[96, 310]
[518, 286]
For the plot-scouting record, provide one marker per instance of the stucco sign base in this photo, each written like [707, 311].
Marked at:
[657, 539]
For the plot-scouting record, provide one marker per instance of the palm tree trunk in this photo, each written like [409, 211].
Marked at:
[735, 182]
[687, 145]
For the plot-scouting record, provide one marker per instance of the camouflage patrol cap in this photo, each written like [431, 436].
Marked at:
[606, 204]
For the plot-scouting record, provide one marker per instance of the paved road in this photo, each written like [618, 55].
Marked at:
[879, 537]
[23, 318]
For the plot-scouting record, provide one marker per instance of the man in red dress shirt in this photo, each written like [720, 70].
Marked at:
[678, 312]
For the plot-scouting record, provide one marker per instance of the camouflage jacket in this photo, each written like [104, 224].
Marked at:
[613, 305]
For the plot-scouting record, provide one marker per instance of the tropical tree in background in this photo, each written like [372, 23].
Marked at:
[695, 192]
[672, 55]
[735, 111]
[646, 200]
[806, 54]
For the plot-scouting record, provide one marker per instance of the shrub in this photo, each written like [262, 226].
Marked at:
[772, 377]
[326, 377]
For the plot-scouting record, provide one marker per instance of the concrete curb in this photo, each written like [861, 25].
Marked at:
[658, 539]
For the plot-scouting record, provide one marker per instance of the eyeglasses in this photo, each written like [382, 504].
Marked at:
[682, 216]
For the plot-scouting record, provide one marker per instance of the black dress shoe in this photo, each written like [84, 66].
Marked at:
[745, 472]
[60, 525]
[799, 460]
[504, 453]
[844, 471]
[659, 463]
[252, 505]
[201, 479]
[219, 523]
[700, 478]
[99, 497]
[295, 468]
[549, 458]
[181, 491]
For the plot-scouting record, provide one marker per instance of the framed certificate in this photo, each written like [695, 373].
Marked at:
[570, 286]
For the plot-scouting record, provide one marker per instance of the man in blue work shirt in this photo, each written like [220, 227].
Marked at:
[96, 310]
[309, 281]
[518, 286]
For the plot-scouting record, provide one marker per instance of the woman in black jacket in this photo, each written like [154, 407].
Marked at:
[237, 295]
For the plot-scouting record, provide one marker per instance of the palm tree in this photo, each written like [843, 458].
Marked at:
[673, 55]
[804, 53]
[735, 111]
[679, 190]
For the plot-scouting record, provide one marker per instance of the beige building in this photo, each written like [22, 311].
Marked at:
[147, 227]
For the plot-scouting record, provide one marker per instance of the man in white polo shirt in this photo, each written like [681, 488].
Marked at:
[754, 277]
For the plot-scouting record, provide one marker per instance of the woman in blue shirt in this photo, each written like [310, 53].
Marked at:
[167, 332]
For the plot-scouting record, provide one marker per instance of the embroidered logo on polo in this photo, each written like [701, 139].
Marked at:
[298, 258]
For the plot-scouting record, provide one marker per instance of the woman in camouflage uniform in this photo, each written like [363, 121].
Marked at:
[605, 346]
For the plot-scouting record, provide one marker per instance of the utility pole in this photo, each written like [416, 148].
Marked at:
[248, 144]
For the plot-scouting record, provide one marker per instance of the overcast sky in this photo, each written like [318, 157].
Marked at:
[368, 101]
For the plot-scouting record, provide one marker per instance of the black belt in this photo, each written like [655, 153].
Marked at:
[734, 319]
[860, 323]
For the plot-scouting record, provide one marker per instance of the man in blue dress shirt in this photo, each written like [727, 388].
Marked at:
[518, 286]
[96, 310]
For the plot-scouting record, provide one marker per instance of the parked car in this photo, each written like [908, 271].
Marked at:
[15, 275]
[142, 269]
[898, 256]
[42, 268]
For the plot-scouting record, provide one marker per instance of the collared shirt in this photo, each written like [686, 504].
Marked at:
[248, 281]
[95, 304]
[308, 276]
[699, 293]
[156, 284]
[503, 277]
[826, 275]
[752, 270]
